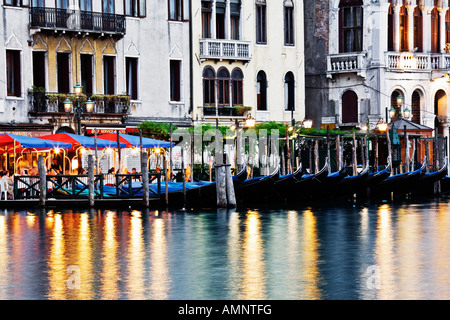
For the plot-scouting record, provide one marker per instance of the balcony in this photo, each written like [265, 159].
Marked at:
[414, 61]
[346, 63]
[77, 21]
[217, 49]
[225, 112]
[51, 104]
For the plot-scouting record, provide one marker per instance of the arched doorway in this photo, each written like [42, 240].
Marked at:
[349, 107]
[440, 110]
[395, 104]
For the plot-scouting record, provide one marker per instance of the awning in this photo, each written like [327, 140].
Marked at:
[134, 141]
[9, 141]
[84, 141]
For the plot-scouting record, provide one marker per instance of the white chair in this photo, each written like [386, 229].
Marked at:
[4, 189]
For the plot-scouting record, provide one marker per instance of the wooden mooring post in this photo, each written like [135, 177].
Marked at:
[145, 180]
[91, 180]
[43, 181]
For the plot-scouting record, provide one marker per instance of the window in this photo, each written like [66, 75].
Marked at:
[109, 75]
[17, 3]
[415, 110]
[132, 77]
[235, 12]
[87, 74]
[63, 72]
[447, 26]
[62, 4]
[39, 69]
[349, 107]
[289, 23]
[175, 80]
[418, 29]
[209, 91]
[403, 29]
[108, 6]
[135, 8]
[289, 91]
[86, 5]
[350, 21]
[261, 28]
[206, 19]
[390, 28]
[261, 91]
[13, 74]
[220, 19]
[38, 3]
[179, 10]
[223, 87]
[237, 84]
[435, 31]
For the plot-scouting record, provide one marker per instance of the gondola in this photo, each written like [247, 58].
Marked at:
[372, 179]
[426, 183]
[285, 182]
[256, 189]
[398, 184]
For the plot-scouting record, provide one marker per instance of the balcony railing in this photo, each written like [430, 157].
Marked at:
[227, 112]
[418, 61]
[75, 20]
[44, 103]
[346, 62]
[224, 49]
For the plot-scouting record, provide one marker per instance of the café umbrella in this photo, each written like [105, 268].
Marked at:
[84, 141]
[12, 142]
[135, 141]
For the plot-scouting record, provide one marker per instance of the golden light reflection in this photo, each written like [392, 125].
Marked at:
[441, 258]
[409, 258]
[160, 270]
[253, 267]
[85, 258]
[384, 253]
[310, 256]
[234, 254]
[4, 257]
[135, 279]
[110, 272]
[57, 266]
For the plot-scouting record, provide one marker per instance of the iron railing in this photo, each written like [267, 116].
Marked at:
[76, 20]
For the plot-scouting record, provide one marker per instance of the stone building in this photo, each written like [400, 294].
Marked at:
[362, 55]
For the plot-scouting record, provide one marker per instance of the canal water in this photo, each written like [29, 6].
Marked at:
[383, 251]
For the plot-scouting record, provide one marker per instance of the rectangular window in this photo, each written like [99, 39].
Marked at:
[135, 8]
[206, 19]
[39, 69]
[289, 26]
[87, 74]
[108, 6]
[132, 77]
[109, 75]
[63, 72]
[351, 31]
[179, 10]
[38, 3]
[175, 80]
[86, 5]
[13, 74]
[209, 92]
[62, 4]
[261, 29]
[224, 92]
[235, 20]
[220, 20]
[17, 3]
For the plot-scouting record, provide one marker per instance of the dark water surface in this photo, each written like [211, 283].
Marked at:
[387, 251]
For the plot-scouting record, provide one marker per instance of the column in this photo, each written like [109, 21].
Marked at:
[397, 28]
[213, 20]
[442, 12]
[410, 28]
[227, 21]
[426, 15]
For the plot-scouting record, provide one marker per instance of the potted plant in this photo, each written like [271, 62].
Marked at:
[241, 110]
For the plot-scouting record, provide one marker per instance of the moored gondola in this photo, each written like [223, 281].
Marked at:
[426, 185]
[256, 189]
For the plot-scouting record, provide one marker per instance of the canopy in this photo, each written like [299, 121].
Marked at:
[134, 141]
[10, 141]
[84, 141]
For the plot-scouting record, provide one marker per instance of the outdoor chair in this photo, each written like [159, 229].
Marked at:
[3, 189]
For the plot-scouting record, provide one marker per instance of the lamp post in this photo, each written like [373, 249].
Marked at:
[78, 109]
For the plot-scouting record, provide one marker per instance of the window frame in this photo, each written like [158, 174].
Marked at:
[261, 21]
[237, 88]
[223, 88]
[261, 91]
[211, 92]
[20, 3]
[13, 58]
[206, 12]
[179, 10]
[289, 23]
[352, 5]
[134, 4]
[175, 84]
[290, 94]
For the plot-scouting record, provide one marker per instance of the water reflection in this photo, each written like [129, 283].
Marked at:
[297, 254]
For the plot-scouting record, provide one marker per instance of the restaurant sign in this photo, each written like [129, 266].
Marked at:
[32, 134]
[105, 130]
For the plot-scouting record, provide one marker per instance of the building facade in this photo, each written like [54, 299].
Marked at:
[249, 60]
[131, 57]
[363, 55]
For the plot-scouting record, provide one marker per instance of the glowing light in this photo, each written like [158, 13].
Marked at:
[307, 123]
[57, 150]
[382, 127]
[74, 164]
[157, 150]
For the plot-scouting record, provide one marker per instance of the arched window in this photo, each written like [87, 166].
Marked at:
[289, 21]
[418, 30]
[261, 91]
[415, 107]
[435, 31]
[237, 79]
[223, 87]
[394, 103]
[350, 25]
[209, 91]
[349, 107]
[440, 109]
[403, 28]
[391, 28]
[289, 91]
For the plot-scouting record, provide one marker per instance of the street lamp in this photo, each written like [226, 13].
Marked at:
[407, 113]
[250, 121]
[78, 110]
[307, 123]
[392, 113]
